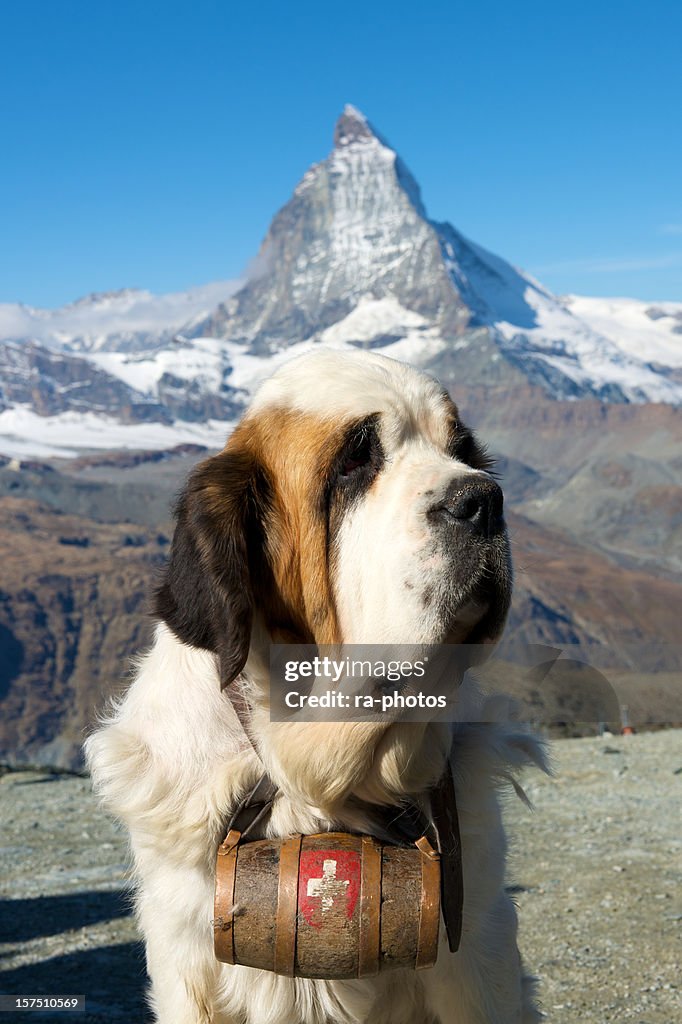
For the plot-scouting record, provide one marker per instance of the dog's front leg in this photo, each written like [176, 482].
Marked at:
[483, 982]
[174, 910]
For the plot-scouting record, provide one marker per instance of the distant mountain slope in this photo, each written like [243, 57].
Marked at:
[648, 330]
[127, 320]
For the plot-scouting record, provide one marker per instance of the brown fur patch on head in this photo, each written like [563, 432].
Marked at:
[295, 452]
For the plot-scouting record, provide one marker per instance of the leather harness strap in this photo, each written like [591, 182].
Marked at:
[257, 803]
[446, 821]
[253, 807]
[241, 708]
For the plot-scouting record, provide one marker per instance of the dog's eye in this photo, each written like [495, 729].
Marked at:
[465, 447]
[359, 459]
[358, 456]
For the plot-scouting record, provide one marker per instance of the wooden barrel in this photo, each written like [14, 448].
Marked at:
[331, 905]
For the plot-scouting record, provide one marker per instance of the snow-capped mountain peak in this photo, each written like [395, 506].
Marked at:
[355, 225]
[352, 127]
[351, 259]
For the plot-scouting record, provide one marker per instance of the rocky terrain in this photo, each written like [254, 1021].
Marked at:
[74, 591]
[595, 869]
[73, 606]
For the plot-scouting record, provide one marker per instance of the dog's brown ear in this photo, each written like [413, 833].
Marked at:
[206, 596]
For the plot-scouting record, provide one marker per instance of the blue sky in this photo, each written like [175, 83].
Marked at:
[149, 144]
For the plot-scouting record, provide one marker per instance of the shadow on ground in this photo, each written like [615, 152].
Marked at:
[112, 979]
[25, 919]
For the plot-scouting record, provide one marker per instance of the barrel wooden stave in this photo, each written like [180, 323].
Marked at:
[256, 902]
[401, 889]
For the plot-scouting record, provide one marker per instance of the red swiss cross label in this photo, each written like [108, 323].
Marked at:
[328, 882]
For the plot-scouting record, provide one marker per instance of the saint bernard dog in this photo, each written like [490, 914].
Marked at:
[350, 505]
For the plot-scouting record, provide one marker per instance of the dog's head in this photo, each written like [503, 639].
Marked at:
[350, 505]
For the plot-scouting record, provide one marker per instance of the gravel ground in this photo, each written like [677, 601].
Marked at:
[595, 869]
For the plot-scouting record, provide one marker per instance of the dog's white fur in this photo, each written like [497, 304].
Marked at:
[171, 761]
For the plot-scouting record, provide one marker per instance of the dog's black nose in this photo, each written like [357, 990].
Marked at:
[476, 504]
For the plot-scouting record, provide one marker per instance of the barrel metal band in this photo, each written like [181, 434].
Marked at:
[287, 907]
[370, 909]
[429, 911]
[226, 875]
